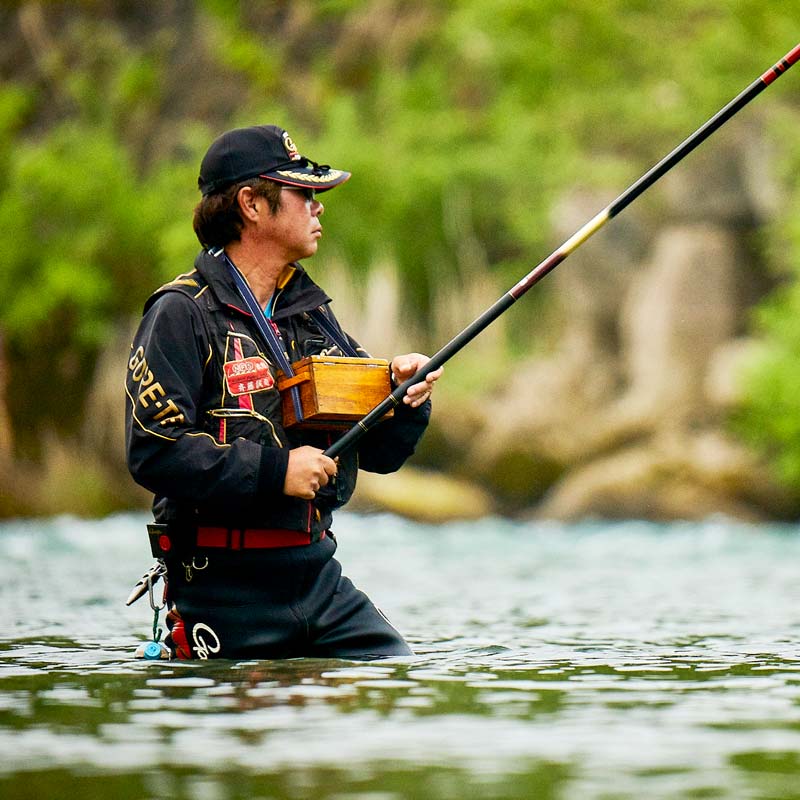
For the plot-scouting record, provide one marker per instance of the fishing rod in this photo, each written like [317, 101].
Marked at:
[569, 246]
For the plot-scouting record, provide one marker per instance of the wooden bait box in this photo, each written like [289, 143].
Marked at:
[335, 391]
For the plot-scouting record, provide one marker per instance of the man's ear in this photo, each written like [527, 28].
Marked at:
[246, 198]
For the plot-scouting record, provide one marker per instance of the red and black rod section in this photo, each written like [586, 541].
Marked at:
[557, 256]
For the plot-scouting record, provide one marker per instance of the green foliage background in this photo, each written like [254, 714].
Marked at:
[453, 116]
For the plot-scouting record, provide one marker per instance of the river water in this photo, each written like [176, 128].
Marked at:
[625, 660]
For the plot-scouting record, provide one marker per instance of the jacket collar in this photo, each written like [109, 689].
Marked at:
[297, 292]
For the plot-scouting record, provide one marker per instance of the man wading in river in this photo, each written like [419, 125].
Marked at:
[242, 504]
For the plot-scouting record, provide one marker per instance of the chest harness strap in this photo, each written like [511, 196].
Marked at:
[271, 334]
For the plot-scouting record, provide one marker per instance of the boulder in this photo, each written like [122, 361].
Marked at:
[422, 495]
[677, 313]
[730, 184]
[675, 475]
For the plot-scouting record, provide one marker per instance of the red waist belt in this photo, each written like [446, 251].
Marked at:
[252, 538]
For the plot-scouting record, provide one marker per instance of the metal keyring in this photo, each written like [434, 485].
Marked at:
[150, 597]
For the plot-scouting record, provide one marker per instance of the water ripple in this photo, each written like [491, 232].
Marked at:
[628, 660]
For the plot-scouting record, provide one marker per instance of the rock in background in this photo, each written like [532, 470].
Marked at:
[627, 416]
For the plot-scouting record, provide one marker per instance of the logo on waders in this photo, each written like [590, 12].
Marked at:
[205, 640]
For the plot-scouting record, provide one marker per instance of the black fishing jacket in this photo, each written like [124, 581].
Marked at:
[203, 418]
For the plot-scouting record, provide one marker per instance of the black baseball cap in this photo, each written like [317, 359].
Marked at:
[264, 151]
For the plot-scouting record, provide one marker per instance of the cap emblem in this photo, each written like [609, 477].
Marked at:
[290, 146]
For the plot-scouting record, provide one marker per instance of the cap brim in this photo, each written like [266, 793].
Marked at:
[308, 177]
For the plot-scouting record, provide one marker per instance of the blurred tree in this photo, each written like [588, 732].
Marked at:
[770, 416]
[462, 122]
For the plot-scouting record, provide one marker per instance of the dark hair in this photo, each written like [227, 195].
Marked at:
[217, 219]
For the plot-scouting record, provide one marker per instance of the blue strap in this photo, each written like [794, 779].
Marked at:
[335, 334]
[266, 327]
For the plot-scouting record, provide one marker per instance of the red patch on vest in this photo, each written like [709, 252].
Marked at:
[248, 375]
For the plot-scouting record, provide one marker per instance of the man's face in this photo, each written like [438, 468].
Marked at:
[295, 228]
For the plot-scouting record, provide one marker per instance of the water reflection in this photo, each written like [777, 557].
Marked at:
[636, 662]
